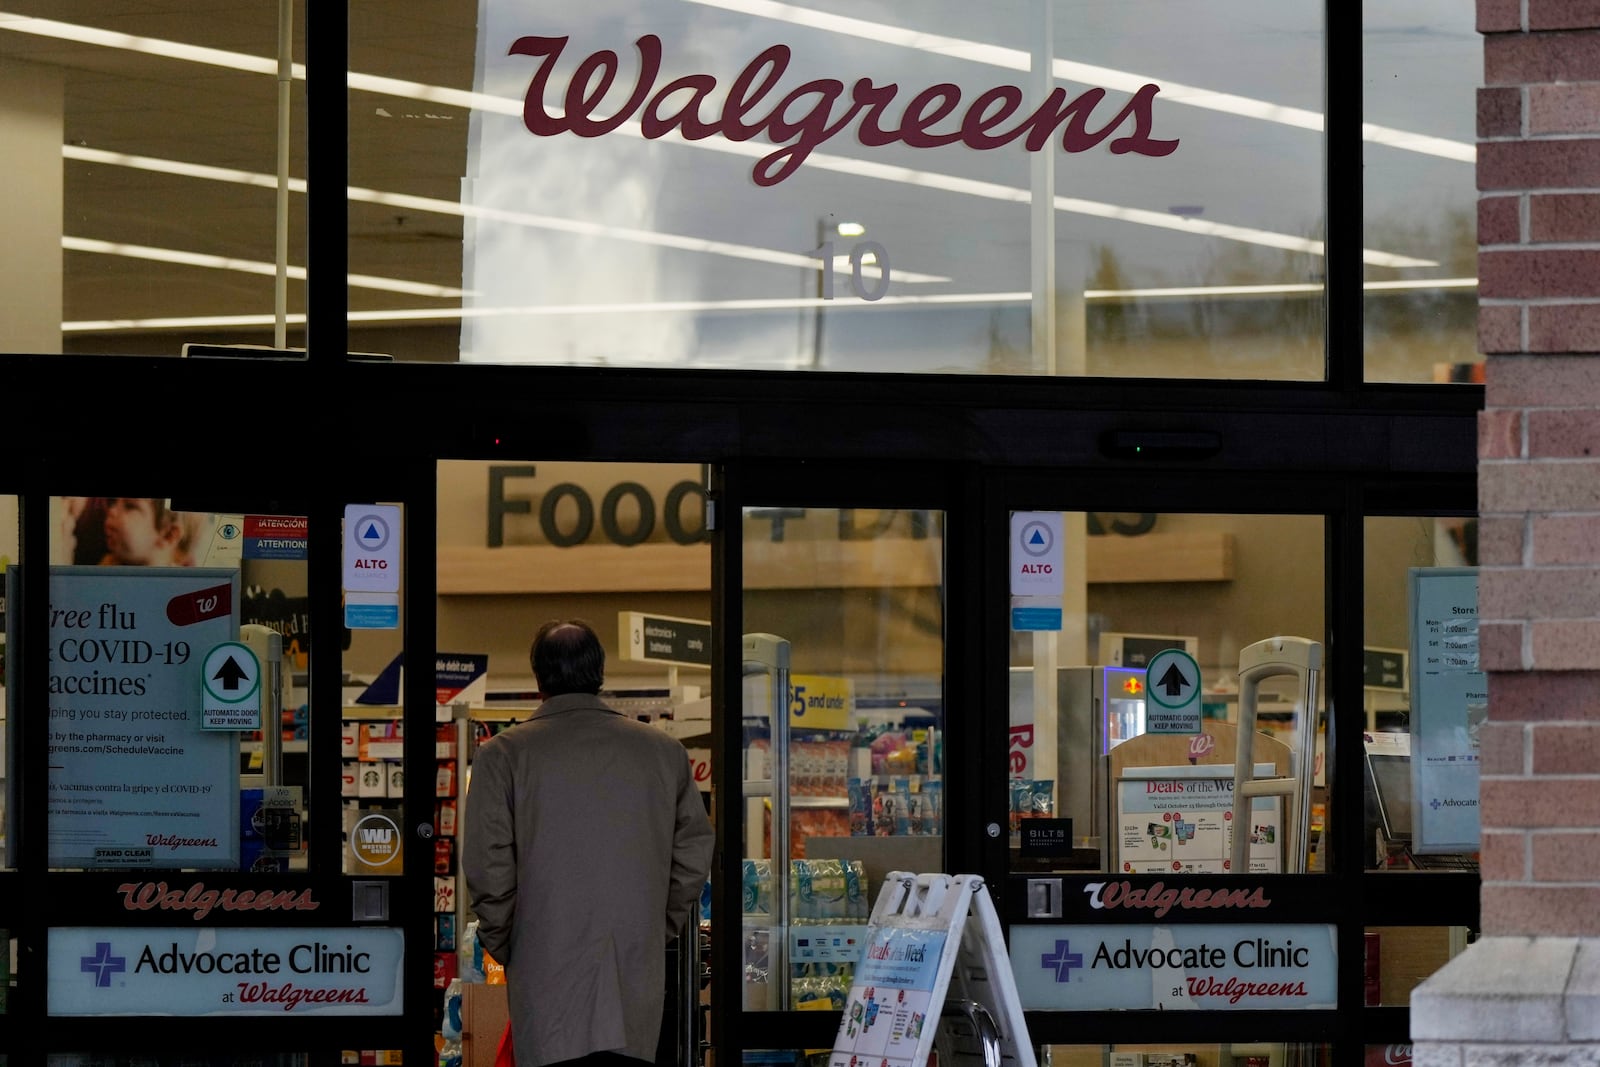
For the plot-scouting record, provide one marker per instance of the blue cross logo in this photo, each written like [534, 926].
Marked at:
[102, 964]
[1434, 804]
[1062, 960]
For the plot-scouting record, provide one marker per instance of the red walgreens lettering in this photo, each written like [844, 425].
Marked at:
[804, 119]
[291, 996]
[1233, 990]
[142, 896]
[1160, 899]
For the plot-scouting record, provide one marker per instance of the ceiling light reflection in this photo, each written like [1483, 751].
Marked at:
[417, 315]
[838, 164]
[1086, 74]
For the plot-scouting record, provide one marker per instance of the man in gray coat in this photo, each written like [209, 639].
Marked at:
[586, 845]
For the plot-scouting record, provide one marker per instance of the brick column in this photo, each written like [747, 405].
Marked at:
[1529, 988]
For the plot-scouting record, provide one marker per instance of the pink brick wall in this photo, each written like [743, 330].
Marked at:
[1539, 465]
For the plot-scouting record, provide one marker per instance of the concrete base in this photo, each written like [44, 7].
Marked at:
[1524, 1000]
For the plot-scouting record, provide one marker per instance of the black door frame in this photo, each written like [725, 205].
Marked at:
[374, 432]
[39, 898]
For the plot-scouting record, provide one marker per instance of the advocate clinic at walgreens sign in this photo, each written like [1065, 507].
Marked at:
[758, 101]
[1193, 966]
[192, 971]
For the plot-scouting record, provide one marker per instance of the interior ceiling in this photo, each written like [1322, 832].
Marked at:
[121, 101]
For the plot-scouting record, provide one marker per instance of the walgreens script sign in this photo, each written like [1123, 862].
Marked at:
[758, 102]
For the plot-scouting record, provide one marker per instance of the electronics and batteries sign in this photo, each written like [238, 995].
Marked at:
[135, 778]
[664, 639]
[1199, 966]
[193, 971]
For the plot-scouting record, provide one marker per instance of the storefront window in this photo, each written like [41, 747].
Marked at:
[1422, 65]
[1163, 634]
[1425, 694]
[857, 227]
[886, 216]
[843, 711]
[150, 150]
[179, 721]
[1397, 959]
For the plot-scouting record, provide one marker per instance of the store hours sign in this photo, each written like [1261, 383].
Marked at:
[135, 781]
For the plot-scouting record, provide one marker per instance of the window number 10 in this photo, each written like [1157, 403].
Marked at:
[861, 254]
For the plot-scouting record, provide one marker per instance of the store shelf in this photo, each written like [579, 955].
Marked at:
[252, 747]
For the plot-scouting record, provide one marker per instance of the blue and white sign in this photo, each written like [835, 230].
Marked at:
[372, 611]
[1196, 966]
[372, 548]
[1036, 553]
[1449, 703]
[193, 971]
[1172, 693]
[135, 780]
[1034, 613]
[230, 681]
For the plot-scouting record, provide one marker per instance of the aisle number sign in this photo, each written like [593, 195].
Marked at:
[664, 639]
[1172, 693]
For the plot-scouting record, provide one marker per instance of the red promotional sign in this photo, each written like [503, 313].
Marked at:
[187, 609]
[276, 526]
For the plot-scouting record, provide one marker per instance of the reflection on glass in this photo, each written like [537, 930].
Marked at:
[1397, 959]
[1232, 1054]
[1398, 1055]
[165, 174]
[844, 719]
[1177, 159]
[1155, 631]
[1420, 66]
[178, 734]
[1396, 548]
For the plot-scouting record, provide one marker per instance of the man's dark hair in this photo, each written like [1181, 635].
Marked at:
[567, 657]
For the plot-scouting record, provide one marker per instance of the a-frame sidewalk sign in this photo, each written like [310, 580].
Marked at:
[934, 978]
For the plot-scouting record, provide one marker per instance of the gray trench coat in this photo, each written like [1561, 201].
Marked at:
[585, 846]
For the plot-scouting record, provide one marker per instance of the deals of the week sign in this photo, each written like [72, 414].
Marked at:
[135, 781]
[188, 970]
